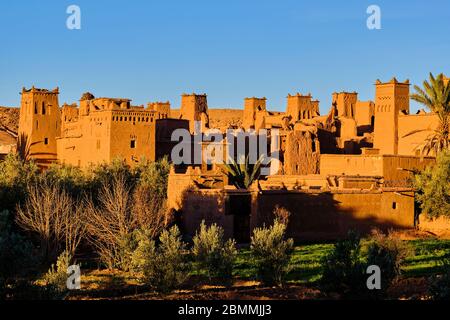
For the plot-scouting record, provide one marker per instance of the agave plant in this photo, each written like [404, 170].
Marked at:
[435, 95]
[23, 147]
[242, 173]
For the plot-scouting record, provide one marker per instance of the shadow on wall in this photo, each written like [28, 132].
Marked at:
[320, 216]
[315, 216]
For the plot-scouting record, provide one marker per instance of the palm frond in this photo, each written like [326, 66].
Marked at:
[435, 95]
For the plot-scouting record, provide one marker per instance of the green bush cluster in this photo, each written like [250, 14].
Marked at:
[165, 266]
[212, 253]
[434, 188]
[271, 253]
[55, 279]
[17, 256]
[25, 231]
[439, 288]
[344, 268]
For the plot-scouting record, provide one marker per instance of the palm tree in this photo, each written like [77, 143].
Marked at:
[242, 174]
[435, 95]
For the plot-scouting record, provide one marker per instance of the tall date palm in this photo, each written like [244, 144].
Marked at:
[435, 95]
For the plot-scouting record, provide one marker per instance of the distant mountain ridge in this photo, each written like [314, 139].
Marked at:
[9, 119]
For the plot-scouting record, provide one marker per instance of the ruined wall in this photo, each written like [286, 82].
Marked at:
[194, 107]
[301, 107]
[345, 103]
[302, 153]
[252, 108]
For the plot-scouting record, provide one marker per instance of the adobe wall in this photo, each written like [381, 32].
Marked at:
[163, 136]
[409, 123]
[326, 215]
[208, 205]
[302, 153]
[132, 135]
[365, 116]
[40, 123]
[315, 215]
[386, 166]
[105, 135]
[439, 226]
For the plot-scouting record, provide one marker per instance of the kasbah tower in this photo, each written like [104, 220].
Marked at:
[40, 124]
[391, 99]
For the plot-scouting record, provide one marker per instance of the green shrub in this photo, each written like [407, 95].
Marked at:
[163, 267]
[17, 256]
[388, 253]
[271, 253]
[15, 175]
[439, 288]
[69, 178]
[433, 187]
[342, 269]
[56, 277]
[55, 280]
[154, 175]
[212, 253]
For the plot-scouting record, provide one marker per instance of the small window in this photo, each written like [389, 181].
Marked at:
[209, 167]
[394, 205]
[46, 141]
[35, 108]
[133, 144]
[43, 108]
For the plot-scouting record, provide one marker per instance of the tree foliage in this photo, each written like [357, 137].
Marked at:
[435, 95]
[433, 186]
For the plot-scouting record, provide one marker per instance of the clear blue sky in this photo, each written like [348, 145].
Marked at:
[156, 50]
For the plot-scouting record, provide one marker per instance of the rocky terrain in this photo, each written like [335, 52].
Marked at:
[9, 124]
[9, 118]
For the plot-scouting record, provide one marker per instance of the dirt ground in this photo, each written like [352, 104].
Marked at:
[106, 285]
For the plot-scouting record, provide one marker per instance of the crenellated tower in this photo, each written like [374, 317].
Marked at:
[194, 107]
[391, 99]
[301, 107]
[39, 124]
[254, 113]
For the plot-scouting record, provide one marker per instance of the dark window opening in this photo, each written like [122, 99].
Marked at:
[46, 141]
[394, 205]
[133, 144]
[43, 108]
